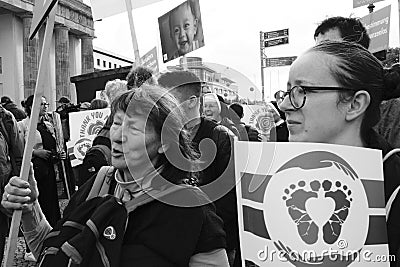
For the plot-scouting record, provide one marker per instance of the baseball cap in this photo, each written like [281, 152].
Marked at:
[64, 100]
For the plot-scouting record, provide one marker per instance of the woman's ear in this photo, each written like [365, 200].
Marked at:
[163, 148]
[358, 105]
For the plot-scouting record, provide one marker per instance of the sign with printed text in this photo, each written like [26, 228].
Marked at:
[84, 126]
[150, 60]
[377, 25]
[358, 3]
[307, 204]
[275, 34]
[279, 61]
[277, 41]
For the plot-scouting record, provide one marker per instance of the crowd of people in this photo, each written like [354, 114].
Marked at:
[158, 186]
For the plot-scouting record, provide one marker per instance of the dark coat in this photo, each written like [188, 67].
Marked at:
[157, 233]
[221, 173]
[391, 172]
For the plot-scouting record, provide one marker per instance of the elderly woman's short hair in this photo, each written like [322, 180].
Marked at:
[114, 88]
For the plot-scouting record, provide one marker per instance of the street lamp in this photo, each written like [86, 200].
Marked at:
[251, 90]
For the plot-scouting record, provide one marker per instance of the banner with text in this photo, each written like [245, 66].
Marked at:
[84, 126]
[377, 25]
[306, 204]
[150, 60]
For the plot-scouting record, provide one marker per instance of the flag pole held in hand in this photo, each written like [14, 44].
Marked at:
[41, 10]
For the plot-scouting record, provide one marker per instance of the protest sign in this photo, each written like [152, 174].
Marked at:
[105, 8]
[358, 3]
[84, 126]
[306, 204]
[377, 24]
[181, 30]
[260, 117]
[150, 60]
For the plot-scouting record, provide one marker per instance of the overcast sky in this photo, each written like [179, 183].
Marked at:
[231, 33]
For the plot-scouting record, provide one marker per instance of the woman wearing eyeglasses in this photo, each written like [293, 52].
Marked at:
[44, 156]
[333, 96]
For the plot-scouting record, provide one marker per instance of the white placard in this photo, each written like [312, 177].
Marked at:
[298, 201]
[84, 126]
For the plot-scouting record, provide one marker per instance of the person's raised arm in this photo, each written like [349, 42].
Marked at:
[22, 195]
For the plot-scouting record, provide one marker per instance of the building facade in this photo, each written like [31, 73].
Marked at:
[71, 50]
[213, 81]
[106, 60]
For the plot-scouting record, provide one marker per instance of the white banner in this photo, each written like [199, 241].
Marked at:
[107, 8]
[306, 204]
[84, 126]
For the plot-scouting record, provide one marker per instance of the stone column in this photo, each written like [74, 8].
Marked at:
[30, 57]
[87, 54]
[62, 61]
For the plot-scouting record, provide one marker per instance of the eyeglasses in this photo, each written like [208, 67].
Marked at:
[297, 94]
[44, 104]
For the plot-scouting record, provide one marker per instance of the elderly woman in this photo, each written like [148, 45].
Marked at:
[333, 96]
[166, 224]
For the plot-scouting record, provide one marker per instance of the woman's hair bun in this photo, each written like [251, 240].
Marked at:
[391, 79]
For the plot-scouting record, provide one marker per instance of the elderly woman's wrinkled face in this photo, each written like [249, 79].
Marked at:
[211, 109]
[321, 118]
[134, 144]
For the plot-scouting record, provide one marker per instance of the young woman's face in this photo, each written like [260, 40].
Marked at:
[183, 29]
[321, 118]
[134, 145]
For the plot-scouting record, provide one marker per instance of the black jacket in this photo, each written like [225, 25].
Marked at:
[218, 179]
[158, 233]
[391, 172]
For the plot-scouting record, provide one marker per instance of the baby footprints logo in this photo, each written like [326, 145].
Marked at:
[316, 200]
[318, 206]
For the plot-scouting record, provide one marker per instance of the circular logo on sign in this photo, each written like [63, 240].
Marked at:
[94, 127]
[81, 146]
[320, 204]
[264, 122]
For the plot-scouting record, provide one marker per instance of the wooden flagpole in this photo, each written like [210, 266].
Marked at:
[40, 11]
[129, 8]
